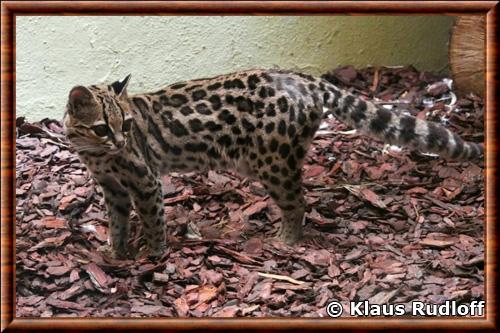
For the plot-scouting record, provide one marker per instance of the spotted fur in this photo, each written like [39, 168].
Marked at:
[258, 122]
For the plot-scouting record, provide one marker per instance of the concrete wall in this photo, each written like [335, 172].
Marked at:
[54, 53]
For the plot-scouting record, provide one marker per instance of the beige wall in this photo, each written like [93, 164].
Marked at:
[54, 53]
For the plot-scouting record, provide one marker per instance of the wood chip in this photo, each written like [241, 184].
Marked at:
[436, 243]
[280, 277]
[97, 276]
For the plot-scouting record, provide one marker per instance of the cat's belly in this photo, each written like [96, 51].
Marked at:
[204, 164]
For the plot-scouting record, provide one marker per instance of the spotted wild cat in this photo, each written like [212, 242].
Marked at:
[257, 122]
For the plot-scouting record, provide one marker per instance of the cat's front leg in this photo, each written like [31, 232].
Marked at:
[148, 201]
[119, 205]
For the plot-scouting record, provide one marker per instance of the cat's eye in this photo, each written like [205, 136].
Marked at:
[127, 124]
[101, 130]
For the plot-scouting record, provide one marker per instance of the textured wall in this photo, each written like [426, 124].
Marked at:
[54, 53]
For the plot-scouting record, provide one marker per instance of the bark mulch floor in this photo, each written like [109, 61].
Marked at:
[384, 224]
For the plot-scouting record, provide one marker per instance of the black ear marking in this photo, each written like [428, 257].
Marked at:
[119, 87]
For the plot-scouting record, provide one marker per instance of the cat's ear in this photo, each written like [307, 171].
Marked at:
[120, 87]
[80, 98]
[80, 95]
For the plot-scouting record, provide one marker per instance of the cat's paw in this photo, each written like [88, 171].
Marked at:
[116, 254]
[277, 243]
[153, 255]
[290, 236]
[156, 254]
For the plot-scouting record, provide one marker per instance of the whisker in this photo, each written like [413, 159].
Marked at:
[91, 149]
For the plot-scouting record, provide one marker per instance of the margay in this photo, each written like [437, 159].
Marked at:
[257, 122]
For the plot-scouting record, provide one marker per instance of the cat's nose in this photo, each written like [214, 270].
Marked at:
[120, 144]
[119, 140]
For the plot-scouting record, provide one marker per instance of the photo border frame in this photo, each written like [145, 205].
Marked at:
[11, 9]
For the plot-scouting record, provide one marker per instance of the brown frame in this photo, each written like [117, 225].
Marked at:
[12, 8]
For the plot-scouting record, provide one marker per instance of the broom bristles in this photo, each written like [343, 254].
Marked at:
[467, 54]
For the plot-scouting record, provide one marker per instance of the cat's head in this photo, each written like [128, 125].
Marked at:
[98, 117]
